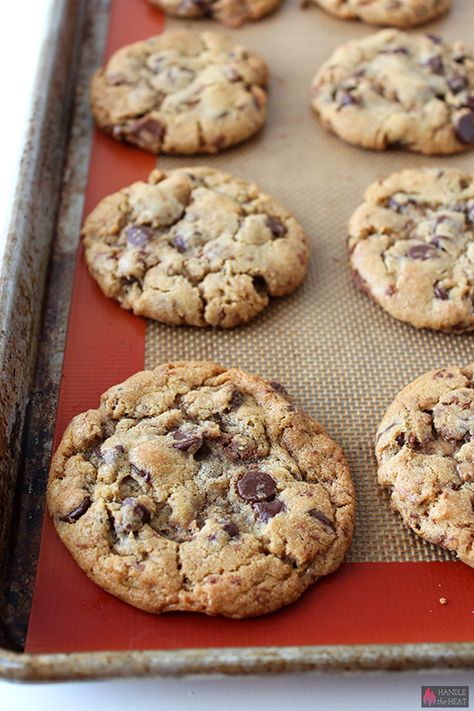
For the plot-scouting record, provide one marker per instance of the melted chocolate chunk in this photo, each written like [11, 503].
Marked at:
[422, 252]
[400, 439]
[184, 441]
[440, 293]
[148, 126]
[256, 486]
[133, 516]
[276, 226]
[278, 387]
[457, 83]
[435, 64]
[469, 103]
[97, 453]
[139, 235]
[141, 472]
[347, 99]
[414, 443]
[235, 450]
[320, 516]
[231, 529]
[179, 243]
[401, 207]
[465, 128]
[76, 513]
[268, 509]
[236, 400]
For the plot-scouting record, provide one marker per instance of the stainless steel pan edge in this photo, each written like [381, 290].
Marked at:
[230, 661]
[25, 268]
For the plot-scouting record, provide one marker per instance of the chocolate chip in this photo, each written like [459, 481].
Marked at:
[422, 252]
[76, 513]
[148, 126]
[268, 509]
[97, 453]
[435, 64]
[236, 400]
[276, 226]
[278, 387]
[396, 50]
[401, 207]
[469, 103]
[119, 448]
[186, 440]
[133, 515]
[457, 83]
[434, 38]
[256, 486]
[400, 439]
[440, 293]
[320, 516]
[465, 128]
[231, 529]
[139, 235]
[347, 99]
[141, 472]
[179, 243]
[235, 450]
[414, 443]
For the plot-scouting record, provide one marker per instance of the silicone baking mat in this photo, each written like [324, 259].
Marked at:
[339, 355]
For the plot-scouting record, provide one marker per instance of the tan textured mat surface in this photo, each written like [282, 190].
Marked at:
[340, 356]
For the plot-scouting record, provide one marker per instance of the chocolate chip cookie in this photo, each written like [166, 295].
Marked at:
[233, 13]
[181, 92]
[197, 488]
[194, 246]
[425, 452]
[394, 89]
[411, 247]
[394, 13]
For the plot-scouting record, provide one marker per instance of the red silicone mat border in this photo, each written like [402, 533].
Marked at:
[361, 603]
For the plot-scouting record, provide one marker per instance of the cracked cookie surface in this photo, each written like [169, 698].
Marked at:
[411, 247]
[181, 92]
[198, 488]
[394, 89]
[194, 246]
[233, 13]
[425, 453]
[395, 13]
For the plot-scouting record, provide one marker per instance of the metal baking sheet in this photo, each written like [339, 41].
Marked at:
[340, 357]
